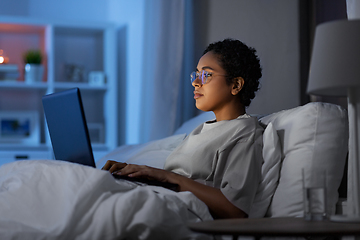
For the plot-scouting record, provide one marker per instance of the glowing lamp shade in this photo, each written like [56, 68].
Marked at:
[335, 71]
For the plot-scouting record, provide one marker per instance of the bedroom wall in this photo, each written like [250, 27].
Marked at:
[272, 28]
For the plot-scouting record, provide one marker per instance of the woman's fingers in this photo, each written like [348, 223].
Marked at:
[143, 171]
[108, 165]
[113, 166]
[133, 170]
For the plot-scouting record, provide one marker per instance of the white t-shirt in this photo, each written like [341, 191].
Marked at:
[226, 155]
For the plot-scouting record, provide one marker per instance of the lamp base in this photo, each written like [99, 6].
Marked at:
[353, 193]
[345, 219]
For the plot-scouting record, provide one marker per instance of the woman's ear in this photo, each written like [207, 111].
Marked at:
[238, 85]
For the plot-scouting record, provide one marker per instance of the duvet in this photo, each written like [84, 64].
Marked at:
[49, 199]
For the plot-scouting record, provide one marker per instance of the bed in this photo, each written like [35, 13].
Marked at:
[49, 199]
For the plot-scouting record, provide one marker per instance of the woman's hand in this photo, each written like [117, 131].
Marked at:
[137, 171]
[113, 166]
[142, 171]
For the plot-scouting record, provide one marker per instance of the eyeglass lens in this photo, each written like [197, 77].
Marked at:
[201, 75]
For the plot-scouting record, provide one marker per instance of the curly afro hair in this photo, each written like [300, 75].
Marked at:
[239, 60]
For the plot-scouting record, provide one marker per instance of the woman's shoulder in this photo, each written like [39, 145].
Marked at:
[246, 121]
[245, 128]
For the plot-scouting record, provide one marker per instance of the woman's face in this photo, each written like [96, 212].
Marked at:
[215, 95]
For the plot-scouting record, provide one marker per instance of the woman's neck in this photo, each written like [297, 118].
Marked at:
[229, 115]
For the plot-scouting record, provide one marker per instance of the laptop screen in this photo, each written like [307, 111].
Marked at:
[67, 126]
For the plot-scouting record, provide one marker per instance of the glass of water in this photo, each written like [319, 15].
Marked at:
[314, 189]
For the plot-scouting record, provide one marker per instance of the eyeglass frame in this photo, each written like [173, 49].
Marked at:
[204, 75]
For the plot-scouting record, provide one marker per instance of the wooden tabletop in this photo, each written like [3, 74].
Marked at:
[260, 227]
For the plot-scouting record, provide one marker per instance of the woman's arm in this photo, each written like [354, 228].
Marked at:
[218, 204]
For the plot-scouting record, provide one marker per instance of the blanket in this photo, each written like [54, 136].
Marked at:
[49, 199]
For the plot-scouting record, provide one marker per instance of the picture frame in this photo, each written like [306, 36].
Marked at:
[19, 127]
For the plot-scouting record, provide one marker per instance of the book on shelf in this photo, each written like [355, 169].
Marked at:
[9, 72]
[9, 68]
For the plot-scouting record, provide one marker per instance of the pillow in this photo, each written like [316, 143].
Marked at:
[270, 172]
[152, 154]
[312, 136]
[192, 123]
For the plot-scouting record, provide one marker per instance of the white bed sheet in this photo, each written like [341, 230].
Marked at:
[48, 199]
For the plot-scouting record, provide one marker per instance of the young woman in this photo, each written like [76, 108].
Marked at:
[220, 161]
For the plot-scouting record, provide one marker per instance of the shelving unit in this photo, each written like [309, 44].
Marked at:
[88, 47]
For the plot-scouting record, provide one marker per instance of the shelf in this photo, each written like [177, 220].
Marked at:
[84, 86]
[77, 48]
[8, 68]
[16, 39]
[74, 55]
[11, 84]
[22, 85]
[23, 147]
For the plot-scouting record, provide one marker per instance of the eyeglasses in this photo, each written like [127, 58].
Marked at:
[203, 76]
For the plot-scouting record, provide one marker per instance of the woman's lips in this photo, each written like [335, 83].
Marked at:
[197, 95]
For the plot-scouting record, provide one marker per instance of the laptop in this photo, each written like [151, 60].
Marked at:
[70, 139]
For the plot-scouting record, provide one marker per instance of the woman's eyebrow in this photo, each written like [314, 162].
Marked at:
[207, 67]
[204, 68]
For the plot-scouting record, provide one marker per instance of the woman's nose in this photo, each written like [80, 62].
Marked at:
[197, 83]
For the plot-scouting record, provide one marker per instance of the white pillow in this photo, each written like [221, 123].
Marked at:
[152, 154]
[270, 172]
[192, 123]
[312, 136]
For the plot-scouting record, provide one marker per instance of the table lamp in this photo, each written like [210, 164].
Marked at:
[335, 71]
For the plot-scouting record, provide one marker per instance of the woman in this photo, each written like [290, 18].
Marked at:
[220, 161]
